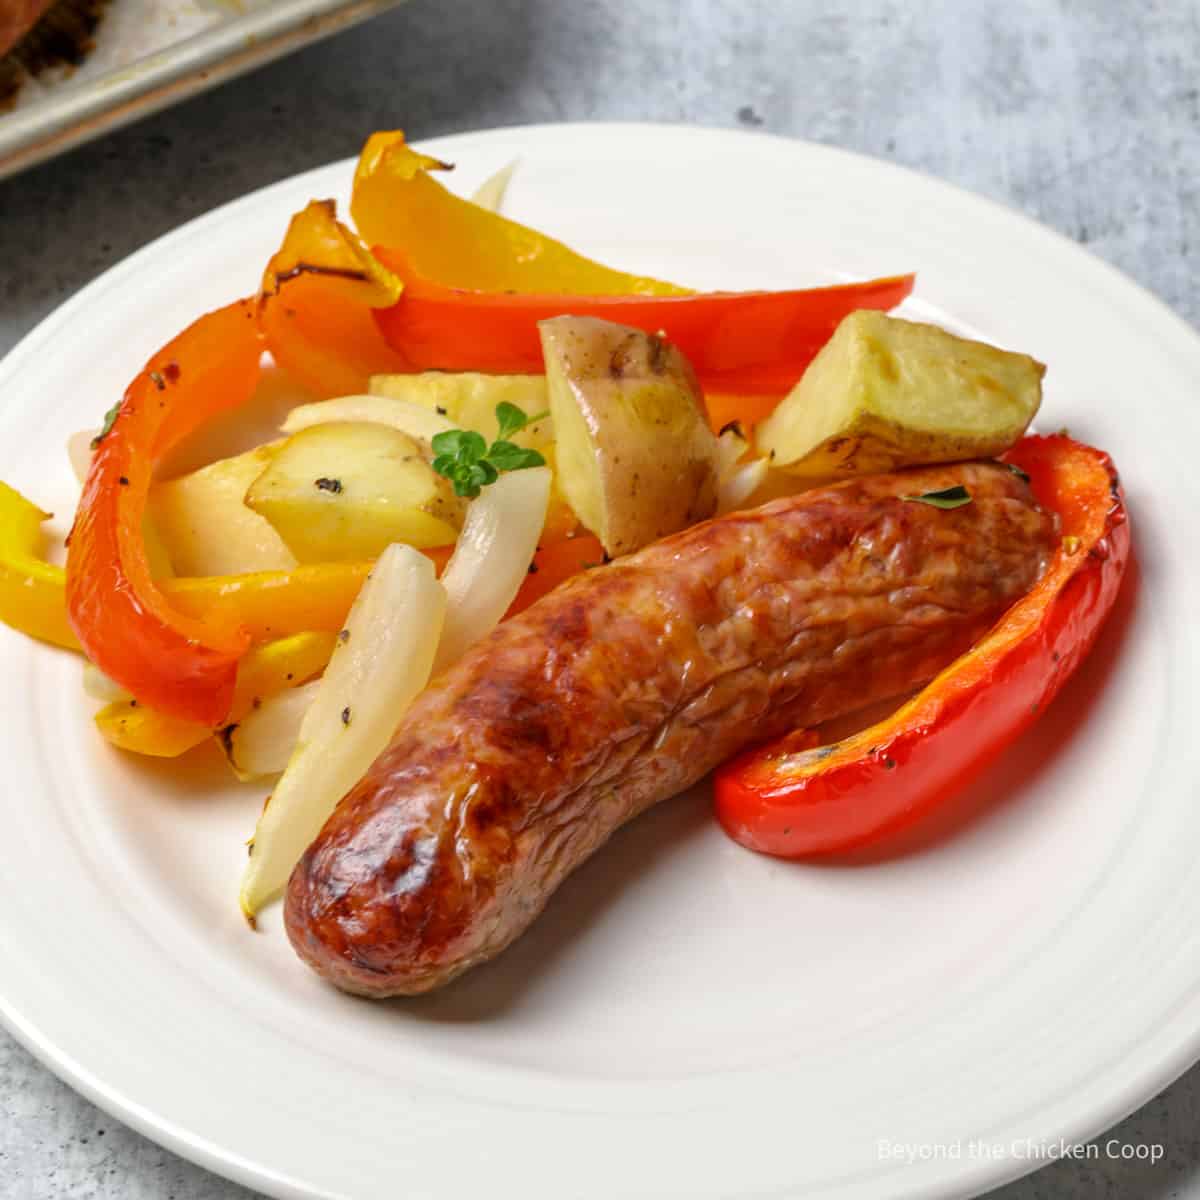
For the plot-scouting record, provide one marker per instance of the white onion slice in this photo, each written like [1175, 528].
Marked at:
[491, 558]
[737, 481]
[735, 487]
[731, 448]
[100, 687]
[79, 451]
[372, 678]
[263, 741]
[490, 193]
[405, 415]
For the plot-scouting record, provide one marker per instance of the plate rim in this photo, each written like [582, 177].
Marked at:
[1100, 1115]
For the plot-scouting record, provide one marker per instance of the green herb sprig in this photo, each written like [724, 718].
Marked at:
[951, 497]
[110, 419]
[464, 458]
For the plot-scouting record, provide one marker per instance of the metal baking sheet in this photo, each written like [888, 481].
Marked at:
[151, 53]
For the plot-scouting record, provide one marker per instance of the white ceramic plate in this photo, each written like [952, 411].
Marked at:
[687, 1019]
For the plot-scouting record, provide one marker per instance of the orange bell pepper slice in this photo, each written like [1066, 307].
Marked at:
[749, 342]
[315, 304]
[790, 800]
[397, 202]
[177, 663]
[554, 563]
[317, 596]
[274, 604]
[265, 604]
[269, 604]
[724, 409]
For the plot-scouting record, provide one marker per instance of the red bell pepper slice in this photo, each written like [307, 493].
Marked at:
[178, 664]
[790, 800]
[756, 342]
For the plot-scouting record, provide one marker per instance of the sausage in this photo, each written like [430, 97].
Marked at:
[628, 684]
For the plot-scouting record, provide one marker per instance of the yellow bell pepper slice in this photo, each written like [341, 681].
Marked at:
[268, 604]
[32, 591]
[320, 286]
[397, 202]
[263, 672]
[273, 604]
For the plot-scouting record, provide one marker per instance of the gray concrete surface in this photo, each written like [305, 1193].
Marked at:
[1083, 113]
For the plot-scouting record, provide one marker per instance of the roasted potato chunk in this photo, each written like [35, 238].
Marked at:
[205, 525]
[347, 490]
[468, 399]
[885, 393]
[636, 459]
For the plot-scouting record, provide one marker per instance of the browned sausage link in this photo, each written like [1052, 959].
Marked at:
[628, 684]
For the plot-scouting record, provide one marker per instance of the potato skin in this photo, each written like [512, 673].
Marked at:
[636, 457]
[885, 393]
